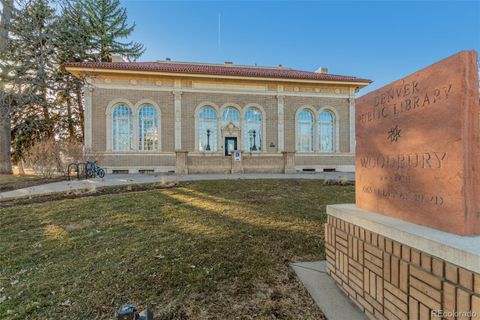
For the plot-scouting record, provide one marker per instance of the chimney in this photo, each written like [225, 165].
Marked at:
[322, 70]
[117, 58]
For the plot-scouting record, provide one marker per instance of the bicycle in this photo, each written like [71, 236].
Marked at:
[94, 170]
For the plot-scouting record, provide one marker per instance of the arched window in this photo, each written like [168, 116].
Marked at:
[147, 128]
[122, 128]
[326, 129]
[253, 130]
[207, 129]
[231, 115]
[305, 120]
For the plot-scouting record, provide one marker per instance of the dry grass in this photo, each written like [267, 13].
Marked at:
[206, 250]
[15, 181]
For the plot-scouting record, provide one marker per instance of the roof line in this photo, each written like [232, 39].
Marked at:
[230, 65]
[362, 83]
[211, 70]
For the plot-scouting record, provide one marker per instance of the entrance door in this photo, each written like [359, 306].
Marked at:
[230, 145]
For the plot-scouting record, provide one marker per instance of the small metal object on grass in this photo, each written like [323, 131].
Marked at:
[126, 312]
[146, 315]
[129, 312]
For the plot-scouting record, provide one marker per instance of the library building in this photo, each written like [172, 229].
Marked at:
[188, 117]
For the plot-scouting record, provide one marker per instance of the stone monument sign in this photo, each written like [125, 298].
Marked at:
[418, 147]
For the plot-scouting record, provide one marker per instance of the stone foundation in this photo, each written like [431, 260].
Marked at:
[393, 269]
[285, 162]
[184, 162]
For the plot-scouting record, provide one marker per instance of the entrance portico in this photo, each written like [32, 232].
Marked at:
[231, 137]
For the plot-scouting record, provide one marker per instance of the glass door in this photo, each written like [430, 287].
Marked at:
[230, 145]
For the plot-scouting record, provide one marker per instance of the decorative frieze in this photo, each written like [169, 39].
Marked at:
[217, 87]
[228, 86]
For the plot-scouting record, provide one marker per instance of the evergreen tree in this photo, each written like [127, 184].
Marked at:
[29, 54]
[73, 45]
[39, 99]
[108, 23]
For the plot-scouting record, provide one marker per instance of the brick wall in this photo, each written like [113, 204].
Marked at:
[148, 160]
[326, 160]
[102, 97]
[341, 106]
[389, 280]
[144, 88]
[209, 164]
[191, 100]
[263, 164]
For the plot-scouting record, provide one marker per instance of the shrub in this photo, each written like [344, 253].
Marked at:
[44, 158]
[49, 158]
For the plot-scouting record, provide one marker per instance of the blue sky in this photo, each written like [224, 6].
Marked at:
[382, 41]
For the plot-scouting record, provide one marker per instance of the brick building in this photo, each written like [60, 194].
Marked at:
[189, 117]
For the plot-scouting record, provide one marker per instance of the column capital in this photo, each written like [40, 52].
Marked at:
[352, 93]
[177, 93]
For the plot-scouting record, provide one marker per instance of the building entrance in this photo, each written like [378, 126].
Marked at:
[230, 145]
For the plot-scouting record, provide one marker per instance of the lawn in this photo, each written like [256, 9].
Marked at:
[15, 181]
[205, 250]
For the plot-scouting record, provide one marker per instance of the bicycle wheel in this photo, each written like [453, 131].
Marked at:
[89, 165]
[101, 173]
[90, 173]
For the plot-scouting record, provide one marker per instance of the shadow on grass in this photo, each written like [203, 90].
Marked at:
[183, 252]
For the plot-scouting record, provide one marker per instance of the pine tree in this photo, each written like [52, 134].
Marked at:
[108, 23]
[29, 54]
[39, 99]
[73, 44]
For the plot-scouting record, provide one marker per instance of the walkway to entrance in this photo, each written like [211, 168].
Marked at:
[126, 179]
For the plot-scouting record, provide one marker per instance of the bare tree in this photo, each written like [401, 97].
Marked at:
[6, 103]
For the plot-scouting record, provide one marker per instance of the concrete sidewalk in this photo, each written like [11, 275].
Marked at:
[334, 304]
[127, 179]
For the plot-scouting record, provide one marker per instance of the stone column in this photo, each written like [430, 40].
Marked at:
[88, 89]
[352, 119]
[288, 162]
[178, 119]
[181, 162]
[281, 122]
[136, 133]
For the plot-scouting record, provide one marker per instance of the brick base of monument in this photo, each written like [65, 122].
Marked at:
[393, 269]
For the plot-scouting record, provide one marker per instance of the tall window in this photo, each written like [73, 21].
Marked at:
[207, 129]
[305, 120]
[122, 128]
[326, 129]
[147, 128]
[231, 115]
[253, 130]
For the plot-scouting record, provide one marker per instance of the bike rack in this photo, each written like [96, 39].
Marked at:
[78, 167]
